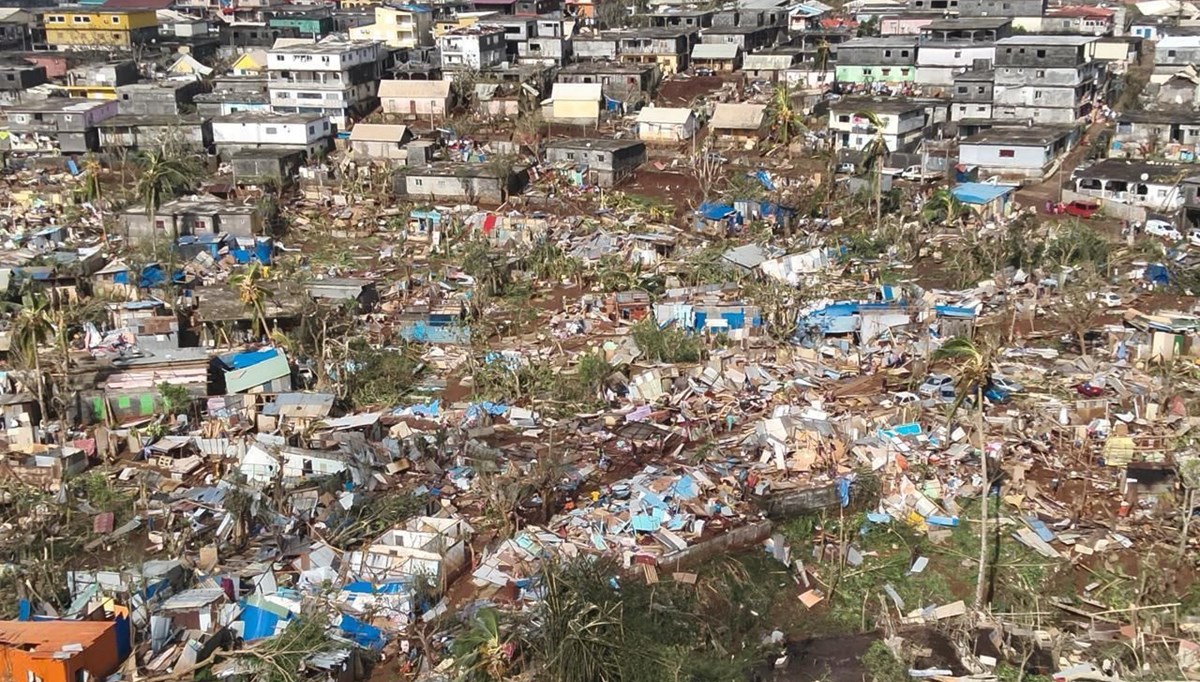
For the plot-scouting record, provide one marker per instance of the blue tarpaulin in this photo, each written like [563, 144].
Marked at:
[1157, 274]
[765, 178]
[249, 359]
[258, 623]
[843, 486]
[152, 276]
[364, 635]
[716, 211]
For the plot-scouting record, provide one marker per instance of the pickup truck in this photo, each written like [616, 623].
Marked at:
[914, 173]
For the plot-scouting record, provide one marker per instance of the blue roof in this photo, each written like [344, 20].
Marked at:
[979, 192]
[716, 211]
[250, 358]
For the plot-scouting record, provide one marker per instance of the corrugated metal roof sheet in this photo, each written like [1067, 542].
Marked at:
[738, 116]
[377, 132]
[766, 62]
[418, 89]
[715, 51]
[664, 115]
[304, 405]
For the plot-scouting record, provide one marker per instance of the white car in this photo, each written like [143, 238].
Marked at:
[904, 398]
[933, 384]
[1194, 237]
[1111, 300]
[1007, 384]
[1161, 228]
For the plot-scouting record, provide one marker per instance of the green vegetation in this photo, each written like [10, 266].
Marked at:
[380, 376]
[882, 665]
[670, 344]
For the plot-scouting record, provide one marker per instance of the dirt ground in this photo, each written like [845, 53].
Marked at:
[675, 189]
[687, 89]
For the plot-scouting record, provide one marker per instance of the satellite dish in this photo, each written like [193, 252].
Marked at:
[1145, 177]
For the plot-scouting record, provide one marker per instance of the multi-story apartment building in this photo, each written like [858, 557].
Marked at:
[1046, 79]
[405, 26]
[88, 28]
[310, 133]
[335, 78]
[475, 47]
[951, 46]
[884, 60]
[902, 121]
[57, 124]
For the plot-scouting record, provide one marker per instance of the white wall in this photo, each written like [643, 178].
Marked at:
[270, 132]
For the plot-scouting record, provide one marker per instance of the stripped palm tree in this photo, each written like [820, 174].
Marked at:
[32, 326]
[786, 121]
[165, 173]
[253, 295]
[975, 365]
[874, 153]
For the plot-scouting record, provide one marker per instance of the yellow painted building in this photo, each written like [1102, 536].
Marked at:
[73, 28]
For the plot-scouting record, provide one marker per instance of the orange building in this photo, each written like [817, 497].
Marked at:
[58, 650]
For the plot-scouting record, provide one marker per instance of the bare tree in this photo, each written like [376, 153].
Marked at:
[1080, 303]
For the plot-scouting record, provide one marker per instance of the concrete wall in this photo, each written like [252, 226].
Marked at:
[745, 536]
[989, 156]
[865, 74]
[1177, 55]
[464, 188]
[1001, 8]
[1112, 209]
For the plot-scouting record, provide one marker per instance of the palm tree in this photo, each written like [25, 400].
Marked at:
[786, 120]
[164, 174]
[873, 154]
[975, 365]
[483, 653]
[253, 295]
[31, 328]
[943, 206]
[92, 190]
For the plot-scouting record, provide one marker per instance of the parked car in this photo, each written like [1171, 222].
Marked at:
[933, 385]
[1082, 208]
[1161, 228]
[1194, 237]
[1007, 384]
[1089, 390]
[1111, 300]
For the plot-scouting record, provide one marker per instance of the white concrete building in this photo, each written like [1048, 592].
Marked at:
[335, 78]
[472, 47]
[251, 130]
[902, 123]
[939, 63]
[407, 26]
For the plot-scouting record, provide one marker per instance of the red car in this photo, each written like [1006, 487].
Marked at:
[1089, 390]
[1082, 209]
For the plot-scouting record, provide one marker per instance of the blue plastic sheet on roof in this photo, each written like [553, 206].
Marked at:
[258, 623]
[249, 359]
[954, 311]
[152, 276]
[716, 211]
[364, 635]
